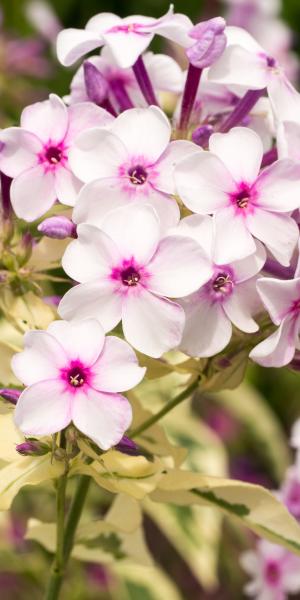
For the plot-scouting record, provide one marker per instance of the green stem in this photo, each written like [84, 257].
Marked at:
[58, 567]
[75, 514]
[167, 408]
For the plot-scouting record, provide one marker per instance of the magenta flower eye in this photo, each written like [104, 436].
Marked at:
[137, 175]
[272, 572]
[53, 155]
[76, 377]
[222, 283]
[242, 199]
[130, 277]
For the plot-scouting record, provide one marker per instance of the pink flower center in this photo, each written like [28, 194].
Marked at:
[272, 572]
[137, 175]
[130, 276]
[76, 374]
[222, 284]
[242, 198]
[53, 154]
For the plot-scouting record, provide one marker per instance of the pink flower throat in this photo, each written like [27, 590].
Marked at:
[76, 375]
[272, 572]
[137, 175]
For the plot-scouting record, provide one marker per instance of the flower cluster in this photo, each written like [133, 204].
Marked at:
[185, 227]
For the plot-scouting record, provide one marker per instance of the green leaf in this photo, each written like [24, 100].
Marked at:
[252, 505]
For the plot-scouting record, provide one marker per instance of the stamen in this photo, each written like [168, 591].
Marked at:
[222, 283]
[76, 377]
[53, 155]
[242, 199]
[130, 277]
[137, 175]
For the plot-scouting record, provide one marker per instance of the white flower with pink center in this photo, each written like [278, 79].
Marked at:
[275, 572]
[134, 159]
[74, 374]
[128, 272]
[245, 202]
[227, 296]
[282, 301]
[164, 72]
[36, 154]
[126, 38]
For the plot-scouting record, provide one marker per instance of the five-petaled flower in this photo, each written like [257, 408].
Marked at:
[74, 374]
[128, 271]
[36, 154]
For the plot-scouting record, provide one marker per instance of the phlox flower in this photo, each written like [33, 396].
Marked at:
[282, 301]
[164, 73]
[289, 493]
[74, 374]
[227, 296]
[135, 158]
[36, 154]
[127, 271]
[246, 203]
[126, 38]
[275, 572]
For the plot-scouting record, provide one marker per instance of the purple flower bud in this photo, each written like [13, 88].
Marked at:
[32, 448]
[210, 44]
[58, 228]
[95, 83]
[202, 134]
[10, 395]
[127, 446]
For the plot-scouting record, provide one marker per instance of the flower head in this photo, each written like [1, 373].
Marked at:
[126, 38]
[227, 296]
[128, 271]
[134, 160]
[36, 154]
[210, 42]
[73, 374]
[246, 203]
[274, 572]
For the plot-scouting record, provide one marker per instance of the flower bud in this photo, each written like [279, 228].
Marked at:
[10, 395]
[201, 135]
[95, 84]
[58, 228]
[127, 446]
[32, 448]
[210, 44]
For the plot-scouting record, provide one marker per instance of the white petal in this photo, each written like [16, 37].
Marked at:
[144, 131]
[232, 238]
[203, 182]
[102, 22]
[207, 330]
[288, 140]
[201, 229]
[135, 231]
[175, 152]
[97, 153]
[98, 300]
[238, 66]
[285, 99]
[152, 325]
[92, 256]
[117, 368]
[279, 348]
[278, 296]
[95, 200]
[48, 119]
[82, 340]
[241, 151]
[67, 186]
[72, 44]
[127, 47]
[249, 266]
[279, 233]
[164, 72]
[278, 186]
[33, 193]
[241, 304]
[86, 115]
[178, 267]
[42, 358]
[43, 408]
[102, 417]
[20, 150]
